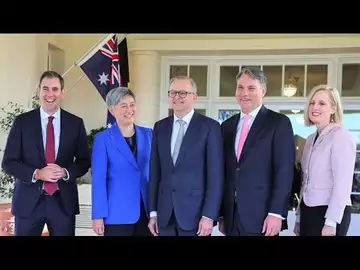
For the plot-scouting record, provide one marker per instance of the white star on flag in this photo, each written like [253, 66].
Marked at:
[103, 78]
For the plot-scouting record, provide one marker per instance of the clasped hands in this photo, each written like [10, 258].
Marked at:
[51, 173]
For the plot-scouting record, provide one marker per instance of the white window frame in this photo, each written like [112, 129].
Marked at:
[212, 101]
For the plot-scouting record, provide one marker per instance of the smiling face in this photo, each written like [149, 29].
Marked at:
[249, 93]
[181, 96]
[125, 111]
[321, 108]
[50, 93]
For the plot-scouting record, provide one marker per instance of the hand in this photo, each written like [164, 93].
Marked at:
[328, 231]
[272, 226]
[205, 227]
[221, 226]
[60, 172]
[50, 173]
[297, 228]
[98, 226]
[153, 226]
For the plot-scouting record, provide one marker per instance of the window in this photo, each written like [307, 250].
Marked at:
[350, 84]
[352, 122]
[300, 79]
[198, 72]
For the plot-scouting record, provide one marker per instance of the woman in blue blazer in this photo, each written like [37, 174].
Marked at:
[120, 171]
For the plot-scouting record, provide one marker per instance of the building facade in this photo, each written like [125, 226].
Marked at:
[301, 61]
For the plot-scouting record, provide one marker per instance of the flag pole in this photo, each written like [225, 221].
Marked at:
[78, 60]
[82, 76]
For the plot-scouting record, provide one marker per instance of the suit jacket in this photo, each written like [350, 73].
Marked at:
[328, 170]
[24, 153]
[118, 177]
[263, 177]
[192, 188]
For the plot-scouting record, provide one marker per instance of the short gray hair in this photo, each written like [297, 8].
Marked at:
[185, 78]
[255, 74]
[116, 95]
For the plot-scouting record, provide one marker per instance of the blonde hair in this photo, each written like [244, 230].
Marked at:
[335, 100]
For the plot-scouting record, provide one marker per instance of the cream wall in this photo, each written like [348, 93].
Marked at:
[24, 57]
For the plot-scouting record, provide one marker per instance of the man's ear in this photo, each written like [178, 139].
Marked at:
[263, 92]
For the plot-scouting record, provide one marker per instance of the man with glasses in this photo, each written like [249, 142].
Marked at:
[186, 167]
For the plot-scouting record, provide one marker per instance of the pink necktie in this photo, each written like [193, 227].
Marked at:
[243, 135]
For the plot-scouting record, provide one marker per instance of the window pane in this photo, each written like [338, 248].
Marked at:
[199, 74]
[352, 122]
[225, 114]
[228, 80]
[274, 76]
[294, 75]
[350, 80]
[178, 71]
[316, 74]
[356, 184]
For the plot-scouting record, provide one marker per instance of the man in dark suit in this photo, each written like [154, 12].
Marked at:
[186, 168]
[46, 151]
[259, 163]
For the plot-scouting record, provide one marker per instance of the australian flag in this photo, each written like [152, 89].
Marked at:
[102, 67]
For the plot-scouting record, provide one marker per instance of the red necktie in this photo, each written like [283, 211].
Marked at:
[50, 187]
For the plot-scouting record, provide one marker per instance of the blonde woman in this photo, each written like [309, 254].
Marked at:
[328, 163]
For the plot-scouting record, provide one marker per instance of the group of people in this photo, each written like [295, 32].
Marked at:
[188, 173]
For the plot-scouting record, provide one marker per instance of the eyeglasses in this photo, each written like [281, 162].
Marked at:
[181, 93]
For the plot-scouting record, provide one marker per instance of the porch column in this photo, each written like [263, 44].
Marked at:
[145, 75]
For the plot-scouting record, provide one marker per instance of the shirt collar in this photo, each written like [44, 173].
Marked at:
[186, 118]
[253, 114]
[45, 115]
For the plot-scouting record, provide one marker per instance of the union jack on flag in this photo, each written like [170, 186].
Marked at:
[102, 67]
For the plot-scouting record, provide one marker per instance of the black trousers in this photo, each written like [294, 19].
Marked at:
[140, 228]
[312, 220]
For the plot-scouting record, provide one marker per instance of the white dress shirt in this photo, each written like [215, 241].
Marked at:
[44, 116]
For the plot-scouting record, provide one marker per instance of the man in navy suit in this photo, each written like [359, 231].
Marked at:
[186, 168]
[46, 150]
[259, 163]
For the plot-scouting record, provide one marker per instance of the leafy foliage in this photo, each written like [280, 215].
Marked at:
[8, 115]
[91, 135]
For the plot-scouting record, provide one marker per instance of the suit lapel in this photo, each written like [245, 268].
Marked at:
[63, 132]
[167, 139]
[234, 125]
[322, 135]
[140, 145]
[189, 137]
[255, 129]
[38, 134]
[121, 145]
